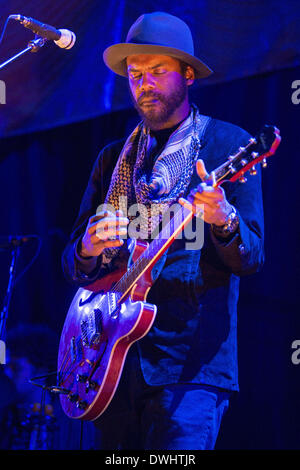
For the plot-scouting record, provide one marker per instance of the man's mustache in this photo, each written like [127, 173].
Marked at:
[148, 95]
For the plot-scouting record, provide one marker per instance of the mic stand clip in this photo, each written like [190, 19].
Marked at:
[33, 46]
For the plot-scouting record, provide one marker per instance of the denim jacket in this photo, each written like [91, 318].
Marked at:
[194, 336]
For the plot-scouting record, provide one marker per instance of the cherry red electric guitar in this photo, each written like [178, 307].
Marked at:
[108, 316]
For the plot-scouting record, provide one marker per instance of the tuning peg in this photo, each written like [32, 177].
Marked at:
[253, 171]
[244, 162]
[254, 154]
[242, 179]
[264, 163]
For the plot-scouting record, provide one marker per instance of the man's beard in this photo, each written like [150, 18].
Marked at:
[154, 116]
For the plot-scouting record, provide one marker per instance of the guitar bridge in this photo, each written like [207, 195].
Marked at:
[75, 349]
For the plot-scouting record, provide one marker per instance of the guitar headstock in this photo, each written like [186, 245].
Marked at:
[258, 149]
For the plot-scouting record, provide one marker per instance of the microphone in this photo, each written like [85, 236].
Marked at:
[14, 240]
[62, 37]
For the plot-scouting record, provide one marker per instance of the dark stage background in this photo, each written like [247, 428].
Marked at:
[62, 107]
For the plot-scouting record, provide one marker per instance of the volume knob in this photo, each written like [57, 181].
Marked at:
[81, 378]
[91, 385]
[81, 404]
[73, 397]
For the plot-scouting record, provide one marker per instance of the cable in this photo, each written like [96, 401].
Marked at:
[32, 260]
[45, 387]
[4, 28]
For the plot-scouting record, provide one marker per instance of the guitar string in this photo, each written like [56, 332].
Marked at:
[65, 363]
[64, 360]
[146, 257]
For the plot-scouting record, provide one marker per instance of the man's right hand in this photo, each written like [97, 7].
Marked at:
[103, 231]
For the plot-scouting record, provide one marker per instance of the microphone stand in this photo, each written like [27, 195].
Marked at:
[34, 46]
[12, 270]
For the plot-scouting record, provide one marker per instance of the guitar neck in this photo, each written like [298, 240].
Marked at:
[233, 169]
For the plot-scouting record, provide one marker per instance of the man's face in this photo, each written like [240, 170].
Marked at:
[158, 88]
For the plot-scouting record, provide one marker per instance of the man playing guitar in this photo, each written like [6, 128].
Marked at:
[177, 379]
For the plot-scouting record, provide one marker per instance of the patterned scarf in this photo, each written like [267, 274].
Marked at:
[131, 183]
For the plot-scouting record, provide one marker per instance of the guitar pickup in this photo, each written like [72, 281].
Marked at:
[91, 328]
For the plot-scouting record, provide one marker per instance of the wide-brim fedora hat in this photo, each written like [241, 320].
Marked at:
[156, 33]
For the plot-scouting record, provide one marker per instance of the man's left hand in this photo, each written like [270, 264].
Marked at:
[211, 198]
